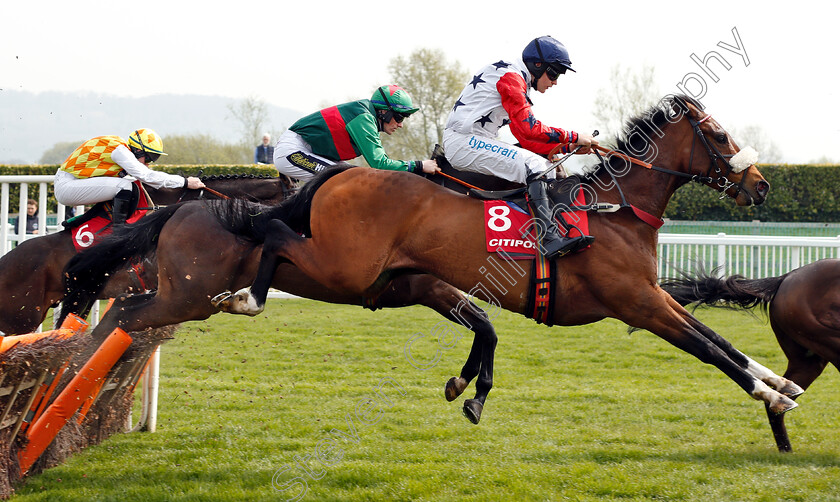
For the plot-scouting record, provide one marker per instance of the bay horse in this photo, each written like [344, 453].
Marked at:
[368, 227]
[30, 274]
[196, 254]
[803, 306]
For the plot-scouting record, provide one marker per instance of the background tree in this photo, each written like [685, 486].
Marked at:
[434, 85]
[204, 149]
[756, 137]
[59, 152]
[629, 92]
[252, 115]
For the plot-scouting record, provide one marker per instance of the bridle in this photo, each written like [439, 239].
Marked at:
[714, 174]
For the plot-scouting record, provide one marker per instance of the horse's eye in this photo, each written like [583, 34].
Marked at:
[721, 138]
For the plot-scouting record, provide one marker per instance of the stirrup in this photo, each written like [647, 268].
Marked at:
[558, 248]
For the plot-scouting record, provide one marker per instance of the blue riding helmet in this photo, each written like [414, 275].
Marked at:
[546, 54]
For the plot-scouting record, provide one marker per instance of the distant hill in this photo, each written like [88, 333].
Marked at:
[32, 123]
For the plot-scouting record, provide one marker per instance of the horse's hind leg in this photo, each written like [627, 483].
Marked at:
[251, 300]
[449, 302]
[803, 368]
[479, 362]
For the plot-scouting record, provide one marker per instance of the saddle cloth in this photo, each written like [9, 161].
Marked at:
[509, 228]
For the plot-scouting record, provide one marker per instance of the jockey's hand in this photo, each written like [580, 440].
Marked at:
[194, 183]
[430, 167]
[585, 142]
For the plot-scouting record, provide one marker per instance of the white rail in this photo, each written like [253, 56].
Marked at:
[749, 255]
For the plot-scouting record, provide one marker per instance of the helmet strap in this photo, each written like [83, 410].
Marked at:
[141, 152]
[385, 116]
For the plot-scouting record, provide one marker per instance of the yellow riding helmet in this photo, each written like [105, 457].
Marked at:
[147, 141]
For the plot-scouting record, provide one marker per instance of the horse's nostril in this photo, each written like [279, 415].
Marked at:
[762, 187]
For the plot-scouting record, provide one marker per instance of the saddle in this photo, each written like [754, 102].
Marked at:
[95, 223]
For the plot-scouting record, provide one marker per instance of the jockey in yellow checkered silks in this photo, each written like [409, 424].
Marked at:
[96, 171]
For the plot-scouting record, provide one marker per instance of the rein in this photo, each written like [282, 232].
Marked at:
[214, 192]
[714, 157]
[456, 180]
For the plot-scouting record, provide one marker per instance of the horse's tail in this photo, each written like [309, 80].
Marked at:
[734, 292]
[86, 274]
[250, 220]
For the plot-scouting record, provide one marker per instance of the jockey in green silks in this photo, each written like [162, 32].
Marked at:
[343, 132]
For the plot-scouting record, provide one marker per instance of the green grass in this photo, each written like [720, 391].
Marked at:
[584, 413]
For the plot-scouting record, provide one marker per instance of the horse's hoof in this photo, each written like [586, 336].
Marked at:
[472, 410]
[454, 387]
[221, 301]
[782, 405]
[241, 302]
[791, 389]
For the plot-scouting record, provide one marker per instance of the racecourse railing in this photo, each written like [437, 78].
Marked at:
[752, 256]
[52, 223]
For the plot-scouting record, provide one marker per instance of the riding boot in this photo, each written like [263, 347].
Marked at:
[554, 245]
[122, 205]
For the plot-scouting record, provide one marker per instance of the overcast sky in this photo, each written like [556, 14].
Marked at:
[307, 54]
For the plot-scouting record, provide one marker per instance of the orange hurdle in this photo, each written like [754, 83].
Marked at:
[46, 428]
[72, 325]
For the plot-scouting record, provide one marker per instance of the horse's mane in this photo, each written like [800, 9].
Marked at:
[649, 124]
[250, 219]
[287, 181]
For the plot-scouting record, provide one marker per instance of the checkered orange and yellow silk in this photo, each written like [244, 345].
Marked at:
[93, 158]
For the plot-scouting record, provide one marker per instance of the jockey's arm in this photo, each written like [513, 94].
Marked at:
[365, 134]
[157, 179]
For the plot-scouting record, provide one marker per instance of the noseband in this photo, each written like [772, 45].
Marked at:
[714, 157]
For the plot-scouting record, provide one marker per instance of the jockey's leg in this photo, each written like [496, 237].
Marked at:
[553, 244]
[122, 206]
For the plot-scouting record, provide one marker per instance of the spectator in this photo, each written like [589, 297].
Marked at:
[31, 217]
[264, 153]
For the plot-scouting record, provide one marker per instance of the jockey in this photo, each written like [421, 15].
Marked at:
[94, 171]
[498, 95]
[327, 137]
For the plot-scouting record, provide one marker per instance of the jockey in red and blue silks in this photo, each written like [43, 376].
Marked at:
[346, 131]
[499, 95]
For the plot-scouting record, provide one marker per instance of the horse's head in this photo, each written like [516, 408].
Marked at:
[715, 160]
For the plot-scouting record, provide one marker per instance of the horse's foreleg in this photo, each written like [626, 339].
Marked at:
[781, 384]
[671, 326]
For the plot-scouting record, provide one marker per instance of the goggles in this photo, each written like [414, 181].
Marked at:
[554, 71]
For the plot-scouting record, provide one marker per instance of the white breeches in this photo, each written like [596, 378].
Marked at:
[73, 191]
[290, 143]
[480, 154]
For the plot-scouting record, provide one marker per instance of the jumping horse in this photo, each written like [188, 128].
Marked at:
[367, 227]
[803, 306]
[30, 274]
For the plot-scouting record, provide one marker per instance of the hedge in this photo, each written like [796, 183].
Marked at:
[798, 193]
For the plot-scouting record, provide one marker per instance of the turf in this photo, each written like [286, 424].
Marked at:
[248, 406]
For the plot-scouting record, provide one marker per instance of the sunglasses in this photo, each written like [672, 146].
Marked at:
[151, 157]
[554, 71]
[399, 117]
